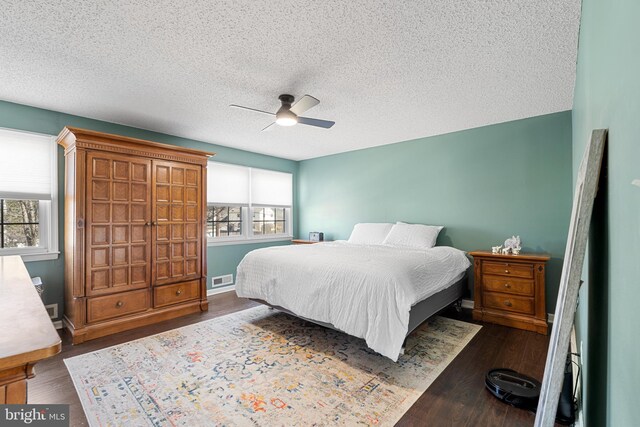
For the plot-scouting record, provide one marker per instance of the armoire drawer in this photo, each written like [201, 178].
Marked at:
[176, 293]
[117, 305]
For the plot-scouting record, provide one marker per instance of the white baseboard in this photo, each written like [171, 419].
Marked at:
[468, 303]
[57, 324]
[220, 290]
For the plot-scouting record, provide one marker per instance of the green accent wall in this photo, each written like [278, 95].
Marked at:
[220, 259]
[607, 95]
[483, 184]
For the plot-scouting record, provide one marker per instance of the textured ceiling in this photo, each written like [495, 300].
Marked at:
[385, 71]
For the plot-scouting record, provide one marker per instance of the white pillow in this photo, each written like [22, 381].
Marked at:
[413, 236]
[370, 233]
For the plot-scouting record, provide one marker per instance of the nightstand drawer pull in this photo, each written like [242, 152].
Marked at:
[119, 304]
[508, 303]
[179, 291]
[507, 271]
[507, 285]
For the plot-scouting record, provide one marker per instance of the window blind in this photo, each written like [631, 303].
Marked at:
[271, 188]
[227, 184]
[25, 165]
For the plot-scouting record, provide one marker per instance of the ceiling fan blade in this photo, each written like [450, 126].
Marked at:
[251, 109]
[303, 104]
[316, 122]
[270, 127]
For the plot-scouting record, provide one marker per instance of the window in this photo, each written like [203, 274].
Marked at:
[28, 202]
[248, 204]
[19, 224]
[268, 221]
[224, 221]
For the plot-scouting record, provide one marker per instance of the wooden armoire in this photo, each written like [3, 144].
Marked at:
[134, 236]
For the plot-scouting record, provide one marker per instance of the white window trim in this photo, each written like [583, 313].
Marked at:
[247, 236]
[48, 215]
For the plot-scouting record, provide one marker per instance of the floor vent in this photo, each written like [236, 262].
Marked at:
[222, 280]
[52, 310]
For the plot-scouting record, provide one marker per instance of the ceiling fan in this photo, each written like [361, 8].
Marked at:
[289, 115]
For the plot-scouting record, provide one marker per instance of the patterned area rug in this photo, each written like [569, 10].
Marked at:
[260, 367]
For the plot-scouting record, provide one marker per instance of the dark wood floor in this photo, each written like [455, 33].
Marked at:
[456, 398]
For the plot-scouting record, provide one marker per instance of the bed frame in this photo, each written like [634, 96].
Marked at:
[419, 313]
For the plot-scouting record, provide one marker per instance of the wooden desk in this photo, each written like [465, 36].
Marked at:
[27, 335]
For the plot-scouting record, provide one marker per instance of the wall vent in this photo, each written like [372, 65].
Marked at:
[222, 280]
[52, 310]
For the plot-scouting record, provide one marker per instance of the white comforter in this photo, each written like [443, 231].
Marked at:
[364, 290]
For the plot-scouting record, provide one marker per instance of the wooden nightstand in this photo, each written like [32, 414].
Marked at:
[303, 242]
[509, 290]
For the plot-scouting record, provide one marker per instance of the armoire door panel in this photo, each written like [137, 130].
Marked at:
[139, 193]
[120, 255]
[100, 212]
[191, 249]
[162, 212]
[162, 174]
[120, 212]
[100, 190]
[162, 193]
[120, 234]
[100, 235]
[177, 250]
[162, 232]
[177, 232]
[162, 271]
[120, 191]
[139, 275]
[192, 178]
[100, 279]
[191, 232]
[114, 222]
[100, 257]
[177, 194]
[139, 173]
[120, 277]
[177, 175]
[100, 168]
[191, 213]
[121, 170]
[139, 233]
[162, 252]
[139, 212]
[176, 210]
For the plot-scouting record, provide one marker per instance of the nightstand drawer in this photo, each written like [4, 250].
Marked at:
[508, 269]
[508, 302]
[509, 285]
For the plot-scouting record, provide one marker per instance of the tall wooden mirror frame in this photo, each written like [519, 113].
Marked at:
[585, 193]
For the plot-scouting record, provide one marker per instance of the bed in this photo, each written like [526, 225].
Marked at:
[378, 292]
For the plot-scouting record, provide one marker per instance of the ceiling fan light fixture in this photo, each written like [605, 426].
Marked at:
[286, 118]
